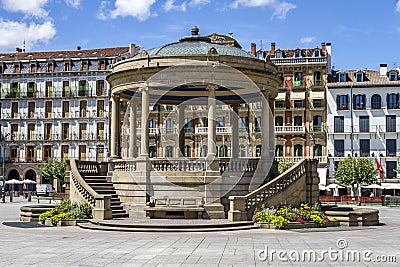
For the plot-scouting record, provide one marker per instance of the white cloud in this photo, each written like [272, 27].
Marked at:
[170, 5]
[73, 3]
[398, 6]
[33, 8]
[308, 40]
[280, 8]
[199, 2]
[14, 33]
[125, 8]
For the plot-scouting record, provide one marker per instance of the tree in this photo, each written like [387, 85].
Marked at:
[284, 166]
[356, 171]
[54, 169]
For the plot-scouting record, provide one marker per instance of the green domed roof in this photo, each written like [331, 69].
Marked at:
[196, 45]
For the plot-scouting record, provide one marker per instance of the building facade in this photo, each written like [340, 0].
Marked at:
[363, 117]
[54, 105]
[300, 108]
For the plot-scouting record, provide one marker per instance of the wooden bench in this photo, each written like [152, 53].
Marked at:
[55, 196]
[176, 208]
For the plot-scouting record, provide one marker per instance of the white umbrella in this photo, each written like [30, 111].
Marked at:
[14, 181]
[27, 181]
[334, 186]
[373, 186]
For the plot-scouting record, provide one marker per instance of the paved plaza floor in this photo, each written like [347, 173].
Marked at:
[29, 244]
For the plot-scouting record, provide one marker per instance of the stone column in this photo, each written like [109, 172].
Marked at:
[144, 142]
[181, 130]
[235, 131]
[211, 133]
[265, 142]
[132, 136]
[115, 126]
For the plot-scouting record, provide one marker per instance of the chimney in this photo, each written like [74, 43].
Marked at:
[329, 48]
[78, 47]
[272, 53]
[323, 49]
[382, 70]
[17, 49]
[133, 49]
[253, 49]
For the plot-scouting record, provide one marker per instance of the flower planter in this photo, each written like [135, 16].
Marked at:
[63, 222]
[298, 225]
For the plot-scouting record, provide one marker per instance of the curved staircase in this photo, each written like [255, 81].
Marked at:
[101, 186]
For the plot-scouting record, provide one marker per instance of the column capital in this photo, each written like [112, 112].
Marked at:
[143, 87]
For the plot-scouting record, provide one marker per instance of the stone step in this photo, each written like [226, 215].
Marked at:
[168, 227]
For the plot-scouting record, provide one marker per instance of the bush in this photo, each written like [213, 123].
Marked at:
[66, 210]
[282, 216]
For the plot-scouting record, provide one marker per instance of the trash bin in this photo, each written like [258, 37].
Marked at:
[383, 200]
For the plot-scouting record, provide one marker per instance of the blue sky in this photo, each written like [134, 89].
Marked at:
[363, 33]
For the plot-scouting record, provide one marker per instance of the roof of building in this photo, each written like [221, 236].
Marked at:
[196, 45]
[288, 53]
[62, 54]
[371, 78]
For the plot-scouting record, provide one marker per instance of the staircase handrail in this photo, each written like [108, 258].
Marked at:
[246, 204]
[101, 203]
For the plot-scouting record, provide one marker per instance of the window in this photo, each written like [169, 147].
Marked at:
[279, 104]
[169, 126]
[65, 89]
[359, 102]
[317, 123]
[298, 104]
[279, 151]
[33, 68]
[169, 152]
[364, 147]
[278, 54]
[82, 90]
[100, 88]
[317, 53]
[376, 102]
[339, 148]
[359, 77]
[257, 124]
[223, 151]
[50, 66]
[17, 68]
[152, 152]
[279, 121]
[242, 151]
[317, 78]
[317, 103]
[342, 77]
[204, 151]
[318, 150]
[298, 121]
[338, 124]
[298, 150]
[297, 53]
[280, 76]
[298, 78]
[67, 66]
[342, 102]
[243, 124]
[220, 122]
[390, 167]
[31, 89]
[188, 151]
[392, 101]
[85, 65]
[364, 124]
[393, 76]
[391, 147]
[391, 123]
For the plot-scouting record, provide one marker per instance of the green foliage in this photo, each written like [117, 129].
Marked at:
[66, 210]
[54, 169]
[61, 216]
[282, 216]
[284, 166]
[47, 214]
[351, 171]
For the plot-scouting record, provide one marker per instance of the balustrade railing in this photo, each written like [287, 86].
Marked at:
[290, 129]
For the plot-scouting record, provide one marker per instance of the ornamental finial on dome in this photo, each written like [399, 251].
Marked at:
[195, 31]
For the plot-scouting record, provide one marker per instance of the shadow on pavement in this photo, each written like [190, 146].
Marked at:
[24, 224]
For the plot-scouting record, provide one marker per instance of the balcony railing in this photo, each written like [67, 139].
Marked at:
[321, 159]
[290, 129]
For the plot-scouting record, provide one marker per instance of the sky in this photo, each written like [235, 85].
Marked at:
[363, 33]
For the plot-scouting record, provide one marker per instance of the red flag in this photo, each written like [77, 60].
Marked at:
[379, 168]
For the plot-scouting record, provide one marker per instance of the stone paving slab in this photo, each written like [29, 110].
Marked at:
[28, 245]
